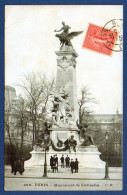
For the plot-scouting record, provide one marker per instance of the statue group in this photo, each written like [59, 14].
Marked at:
[62, 113]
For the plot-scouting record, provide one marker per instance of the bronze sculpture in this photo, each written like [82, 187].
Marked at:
[86, 134]
[65, 37]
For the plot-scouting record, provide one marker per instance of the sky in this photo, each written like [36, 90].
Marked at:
[30, 45]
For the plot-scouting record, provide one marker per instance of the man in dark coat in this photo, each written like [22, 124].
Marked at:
[76, 165]
[56, 160]
[67, 161]
[51, 161]
[72, 165]
[55, 163]
[53, 166]
[15, 167]
[12, 164]
[62, 161]
[21, 166]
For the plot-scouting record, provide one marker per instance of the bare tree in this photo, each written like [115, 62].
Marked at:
[22, 118]
[85, 103]
[37, 94]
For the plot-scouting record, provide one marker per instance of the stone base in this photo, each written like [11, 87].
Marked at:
[88, 157]
[63, 134]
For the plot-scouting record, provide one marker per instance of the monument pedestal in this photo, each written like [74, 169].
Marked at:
[88, 157]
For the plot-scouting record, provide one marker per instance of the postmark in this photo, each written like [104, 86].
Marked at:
[115, 25]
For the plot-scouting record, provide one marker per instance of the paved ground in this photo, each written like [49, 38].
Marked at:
[32, 180]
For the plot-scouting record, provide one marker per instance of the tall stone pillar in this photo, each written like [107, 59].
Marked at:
[66, 76]
[65, 109]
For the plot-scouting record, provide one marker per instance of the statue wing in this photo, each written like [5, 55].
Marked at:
[74, 34]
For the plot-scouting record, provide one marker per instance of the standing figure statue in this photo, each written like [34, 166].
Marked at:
[65, 37]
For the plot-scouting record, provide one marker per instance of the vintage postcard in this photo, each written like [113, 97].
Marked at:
[63, 111]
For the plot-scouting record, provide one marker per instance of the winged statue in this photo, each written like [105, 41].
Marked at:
[65, 37]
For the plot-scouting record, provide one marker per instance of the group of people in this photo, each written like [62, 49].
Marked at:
[68, 164]
[17, 166]
[74, 165]
[66, 160]
[54, 163]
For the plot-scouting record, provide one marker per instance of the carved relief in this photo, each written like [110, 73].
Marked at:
[65, 62]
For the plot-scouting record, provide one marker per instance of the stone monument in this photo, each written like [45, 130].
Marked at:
[64, 132]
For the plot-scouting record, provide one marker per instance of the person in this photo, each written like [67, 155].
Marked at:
[12, 165]
[15, 167]
[53, 158]
[56, 160]
[21, 166]
[76, 165]
[72, 165]
[51, 161]
[62, 161]
[55, 163]
[67, 161]
[12, 159]
[53, 166]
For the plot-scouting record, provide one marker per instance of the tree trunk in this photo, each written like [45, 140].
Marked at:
[22, 134]
[8, 131]
[7, 126]
[35, 124]
[33, 135]
[80, 115]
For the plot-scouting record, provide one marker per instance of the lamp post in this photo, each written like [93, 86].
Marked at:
[106, 166]
[45, 146]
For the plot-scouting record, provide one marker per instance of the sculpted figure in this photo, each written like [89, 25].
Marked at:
[65, 37]
[61, 108]
[71, 143]
[58, 111]
[41, 138]
[86, 134]
[88, 139]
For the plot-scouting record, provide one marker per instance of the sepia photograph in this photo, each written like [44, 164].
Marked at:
[63, 98]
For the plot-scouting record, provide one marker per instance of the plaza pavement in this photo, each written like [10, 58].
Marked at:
[33, 180]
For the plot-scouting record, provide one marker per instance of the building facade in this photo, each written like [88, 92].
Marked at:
[111, 123]
[105, 122]
[11, 128]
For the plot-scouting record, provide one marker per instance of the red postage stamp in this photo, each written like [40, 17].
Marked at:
[100, 39]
